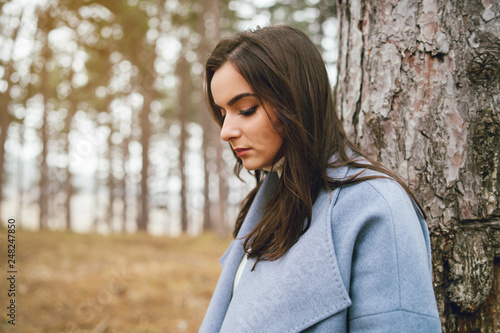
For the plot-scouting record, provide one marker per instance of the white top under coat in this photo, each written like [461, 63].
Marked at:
[239, 272]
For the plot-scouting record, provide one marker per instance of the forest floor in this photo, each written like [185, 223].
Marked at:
[68, 282]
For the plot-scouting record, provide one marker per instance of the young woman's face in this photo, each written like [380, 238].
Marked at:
[246, 126]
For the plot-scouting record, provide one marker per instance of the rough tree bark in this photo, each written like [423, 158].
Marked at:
[418, 89]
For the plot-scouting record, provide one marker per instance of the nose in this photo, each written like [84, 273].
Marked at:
[230, 129]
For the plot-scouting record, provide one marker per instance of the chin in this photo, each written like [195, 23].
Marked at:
[252, 166]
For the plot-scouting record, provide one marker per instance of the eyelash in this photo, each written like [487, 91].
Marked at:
[248, 112]
[245, 113]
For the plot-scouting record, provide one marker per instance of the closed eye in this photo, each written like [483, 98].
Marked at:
[248, 112]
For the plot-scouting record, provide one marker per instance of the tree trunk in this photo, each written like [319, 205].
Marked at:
[20, 174]
[5, 100]
[143, 212]
[111, 181]
[68, 181]
[419, 83]
[223, 191]
[123, 184]
[147, 90]
[68, 184]
[4, 126]
[184, 98]
[96, 221]
[222, 172]
[208, 28]
[43, 184]
[205, 123]
[204, 118]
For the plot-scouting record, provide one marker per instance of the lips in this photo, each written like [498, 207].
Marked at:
[240, 152]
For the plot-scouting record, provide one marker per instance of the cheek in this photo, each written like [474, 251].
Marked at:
[267, 136]
[266, 132]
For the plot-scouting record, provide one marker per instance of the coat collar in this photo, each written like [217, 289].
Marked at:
[289, 294]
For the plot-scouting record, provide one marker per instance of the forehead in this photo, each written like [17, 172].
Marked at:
[227, 83]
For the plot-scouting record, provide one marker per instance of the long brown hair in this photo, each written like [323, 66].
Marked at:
[285, 70]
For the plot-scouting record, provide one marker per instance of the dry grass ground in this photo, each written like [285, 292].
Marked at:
[122, 283]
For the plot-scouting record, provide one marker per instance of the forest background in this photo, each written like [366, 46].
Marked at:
[103, 117]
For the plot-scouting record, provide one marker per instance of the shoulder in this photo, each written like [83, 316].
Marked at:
[380, 187]
[376, 211]
[382, 246]
[382, 196]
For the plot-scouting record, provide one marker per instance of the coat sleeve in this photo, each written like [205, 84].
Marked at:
[384, 255]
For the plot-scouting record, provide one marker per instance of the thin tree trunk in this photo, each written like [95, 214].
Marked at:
[184, 104]
[148, 80]
[221, 225]
[68, 185]
[148, 89]
[43, 199]
[4, 126]
[418, 90]
[97, 189]
[222, 175]
[5, 100]
[20, 175]
[110, 215]
[204, 120]
[204, 19]
[123, 185]
[143, 213]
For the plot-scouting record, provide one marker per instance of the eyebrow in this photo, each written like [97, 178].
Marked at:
[236, 98]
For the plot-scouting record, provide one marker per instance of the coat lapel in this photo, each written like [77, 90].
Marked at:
[232, 257]
[295, 292]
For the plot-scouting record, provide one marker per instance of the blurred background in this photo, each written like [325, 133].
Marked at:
[103, 117]
[107, 151]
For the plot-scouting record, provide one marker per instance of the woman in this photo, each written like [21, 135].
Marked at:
[328, 241]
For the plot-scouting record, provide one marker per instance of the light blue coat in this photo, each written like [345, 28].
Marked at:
[364, 265]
